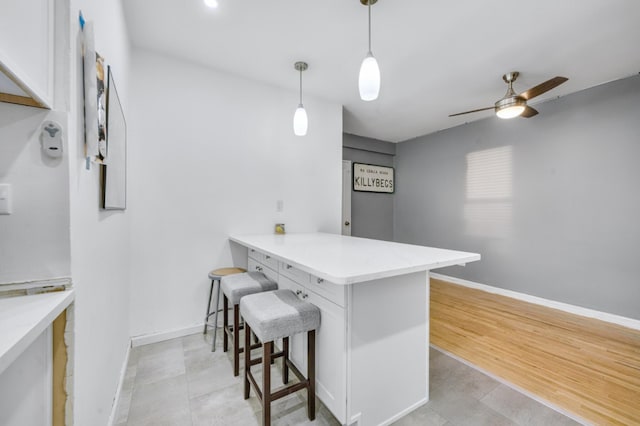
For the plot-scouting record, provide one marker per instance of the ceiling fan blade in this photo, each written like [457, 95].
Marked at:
[529, 112]
[474, 110]
[543, 87]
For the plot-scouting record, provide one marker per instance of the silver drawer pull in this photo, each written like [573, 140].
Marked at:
[289, 266]
[320, 280]
[298, 292]
[268, 257]
[259, 268]
[304, 296]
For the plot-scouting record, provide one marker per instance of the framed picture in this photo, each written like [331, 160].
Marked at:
[372, 178]
[114, 168]
[94, 83]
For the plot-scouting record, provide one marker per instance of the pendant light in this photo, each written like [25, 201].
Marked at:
[369, 80]
[300, 121]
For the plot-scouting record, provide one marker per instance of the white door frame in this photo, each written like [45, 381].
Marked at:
[346, 197]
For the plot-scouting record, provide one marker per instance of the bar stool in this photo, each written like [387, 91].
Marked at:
[234, 288]
[215, 276]
[274, 315]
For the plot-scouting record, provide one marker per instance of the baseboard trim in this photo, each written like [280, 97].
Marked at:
[161, 336]
[116, 398]
[572, 309]
[512, 386]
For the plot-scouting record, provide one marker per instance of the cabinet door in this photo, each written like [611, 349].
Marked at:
[331, 356]
[297, 342]
[26, 48]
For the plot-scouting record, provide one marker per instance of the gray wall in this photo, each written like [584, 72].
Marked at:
[552, 203]
[371, 213]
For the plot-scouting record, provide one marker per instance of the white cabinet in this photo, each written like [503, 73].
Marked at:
[26, 386]
[373, 340]
[26, 52]
[331, 346]
[331, 356]
[331, 341]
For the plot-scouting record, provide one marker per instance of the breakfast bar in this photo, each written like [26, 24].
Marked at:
[372, 358]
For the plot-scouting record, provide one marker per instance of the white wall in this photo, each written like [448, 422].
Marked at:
[34, 239]
[551, 203]
[99, 239]
[210, 155]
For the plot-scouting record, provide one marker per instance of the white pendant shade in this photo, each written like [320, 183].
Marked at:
[369, 80]
[300, 121]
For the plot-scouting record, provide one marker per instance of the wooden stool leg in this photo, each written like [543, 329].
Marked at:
[215, 320]
[206, 318]
[311, 374]
[225, 323]
[236, 340]
[247, 359]
[285, 358]
[267, 349]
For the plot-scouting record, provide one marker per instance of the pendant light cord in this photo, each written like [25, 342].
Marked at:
[369, 7]
[301, 86]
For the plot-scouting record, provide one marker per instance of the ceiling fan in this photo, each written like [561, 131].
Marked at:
[512, 105]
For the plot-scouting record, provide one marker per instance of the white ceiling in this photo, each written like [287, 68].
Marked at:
[436, 57]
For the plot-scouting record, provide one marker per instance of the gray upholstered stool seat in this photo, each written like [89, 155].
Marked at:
[215, 276]
[278, 314]
[239, 285]
[234, 288]
[273, 315]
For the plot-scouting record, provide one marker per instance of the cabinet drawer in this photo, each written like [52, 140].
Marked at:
[255, 254]
[270, 262]
[333, 292]
[265, 259]
[294, 273]
[256, 266]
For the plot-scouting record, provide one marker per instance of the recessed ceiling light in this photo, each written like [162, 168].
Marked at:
[211, 3]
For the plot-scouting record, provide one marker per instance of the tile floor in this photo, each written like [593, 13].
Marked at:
[181, 382]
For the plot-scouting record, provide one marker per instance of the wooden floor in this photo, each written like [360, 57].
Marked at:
[587, 367]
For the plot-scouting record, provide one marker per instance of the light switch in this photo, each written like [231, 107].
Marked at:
[279, 205]
[5, 198]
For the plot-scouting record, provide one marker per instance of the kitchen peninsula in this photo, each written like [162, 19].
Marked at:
[372, 344]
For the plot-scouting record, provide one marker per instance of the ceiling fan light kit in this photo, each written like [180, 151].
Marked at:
[510, 108]
[369, 78]
[513, 105]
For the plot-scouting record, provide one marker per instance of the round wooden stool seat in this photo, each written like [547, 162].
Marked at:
[223, 272]
[215, 276]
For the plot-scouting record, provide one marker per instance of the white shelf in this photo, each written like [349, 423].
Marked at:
[24, 318]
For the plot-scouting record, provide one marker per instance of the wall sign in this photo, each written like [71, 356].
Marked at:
[370, 178]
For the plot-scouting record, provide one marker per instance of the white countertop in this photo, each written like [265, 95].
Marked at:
[348, 260]
[24, 318]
